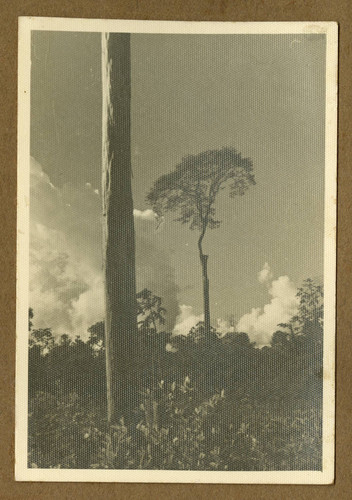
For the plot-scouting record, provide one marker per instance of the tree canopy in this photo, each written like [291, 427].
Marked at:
[191, 188]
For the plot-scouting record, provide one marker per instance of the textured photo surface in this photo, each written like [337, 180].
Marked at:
[176, 251]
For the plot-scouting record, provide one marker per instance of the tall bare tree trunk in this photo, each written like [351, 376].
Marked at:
[118, 223]
[206, 302]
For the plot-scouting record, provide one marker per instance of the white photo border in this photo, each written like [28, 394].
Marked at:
[22, 472]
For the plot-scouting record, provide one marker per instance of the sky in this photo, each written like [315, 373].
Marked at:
[262, 94]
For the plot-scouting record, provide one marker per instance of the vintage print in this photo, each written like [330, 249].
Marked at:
[176, 251]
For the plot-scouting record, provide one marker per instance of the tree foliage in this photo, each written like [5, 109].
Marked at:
[311, 303]
[192, 187]
[150, 312]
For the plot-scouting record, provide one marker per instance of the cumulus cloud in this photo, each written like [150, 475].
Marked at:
[186, 320]
[223, 326]
[61, 283]
[65, 258]
[265, 275]
[147, 214]
[261, 323]
[66, 278]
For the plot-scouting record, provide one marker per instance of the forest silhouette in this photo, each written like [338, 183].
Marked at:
[206, 401]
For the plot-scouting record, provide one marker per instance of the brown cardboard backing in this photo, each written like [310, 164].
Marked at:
[191, 10]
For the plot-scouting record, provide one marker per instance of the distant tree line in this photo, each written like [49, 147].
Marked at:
[231, 362]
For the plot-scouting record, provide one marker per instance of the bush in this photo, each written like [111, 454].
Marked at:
[63, 433]
[176, 432]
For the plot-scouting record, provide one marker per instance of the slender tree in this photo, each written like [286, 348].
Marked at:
[150, 311]
[118, 224]
[191, 189]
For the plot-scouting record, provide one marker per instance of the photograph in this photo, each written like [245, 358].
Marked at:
[176, 251]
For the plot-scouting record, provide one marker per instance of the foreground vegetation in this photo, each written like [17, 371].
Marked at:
[206, 403]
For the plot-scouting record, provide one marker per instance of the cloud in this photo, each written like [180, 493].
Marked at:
[66, 276]
[186, 320]
[147, 214]
[59, 284]
[223, 326]
[265, 274]
[65, 256]
[261, 323]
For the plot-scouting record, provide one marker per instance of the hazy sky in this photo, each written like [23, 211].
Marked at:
[262, 94]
